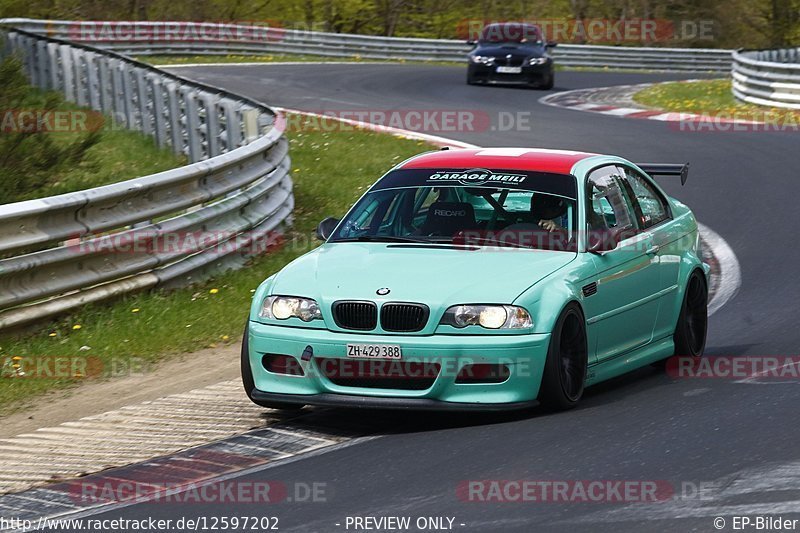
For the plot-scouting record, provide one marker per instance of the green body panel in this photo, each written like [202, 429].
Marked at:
[630, 318]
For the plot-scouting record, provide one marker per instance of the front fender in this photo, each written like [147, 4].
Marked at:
[546, 300]
[262, 292]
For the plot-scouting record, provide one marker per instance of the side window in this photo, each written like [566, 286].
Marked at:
[607, 203]
[376, 216]
[650, 207]
[424, 198]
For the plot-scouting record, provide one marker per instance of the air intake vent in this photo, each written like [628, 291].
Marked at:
[362, 316]
[406, 318]
[590, 289]
[410, 375]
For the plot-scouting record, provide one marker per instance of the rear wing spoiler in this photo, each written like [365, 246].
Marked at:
[667, 169]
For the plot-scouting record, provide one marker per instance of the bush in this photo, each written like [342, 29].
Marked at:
[29, 161]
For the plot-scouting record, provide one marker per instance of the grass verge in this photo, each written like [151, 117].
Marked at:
[330, 171]
[49, 146]
[709, 97]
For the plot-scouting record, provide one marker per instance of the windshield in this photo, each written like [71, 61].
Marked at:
[510, 34]
[473, 207]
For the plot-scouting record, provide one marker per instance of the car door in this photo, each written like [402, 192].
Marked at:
[655, 217]
[621, 300]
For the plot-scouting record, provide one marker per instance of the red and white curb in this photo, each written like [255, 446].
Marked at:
[617, 101]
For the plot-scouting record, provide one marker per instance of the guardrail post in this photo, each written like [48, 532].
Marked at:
[118, 92]
[212, 126]
[233, 129]
[159, 111]
[145, 102]
[43, 62]
[129, 97]
[176, 120]
[193, 139]
[104, 86]
[93, 84]
[67, 72]
[81, 78]
[53, 52]
[251, 127]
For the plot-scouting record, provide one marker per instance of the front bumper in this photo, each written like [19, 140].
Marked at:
[524, 355]
[531, 74]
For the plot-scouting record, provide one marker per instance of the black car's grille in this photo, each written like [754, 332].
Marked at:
[361, 316]
[404, 318]
[383, 374]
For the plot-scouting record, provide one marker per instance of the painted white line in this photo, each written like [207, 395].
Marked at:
[622, 111]
[730, 275]
[750, 380]
[664, 117]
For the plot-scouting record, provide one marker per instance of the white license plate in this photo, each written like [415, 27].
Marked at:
[374, 351]
[509, 70]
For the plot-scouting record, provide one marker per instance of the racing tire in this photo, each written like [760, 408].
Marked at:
[471, 80]
[548, 82]
[565, 368]
[249, 384]
[692, 327]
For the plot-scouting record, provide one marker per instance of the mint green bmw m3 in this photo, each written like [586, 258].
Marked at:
[483, 279]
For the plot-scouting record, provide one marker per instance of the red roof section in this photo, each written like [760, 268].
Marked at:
[530, 159]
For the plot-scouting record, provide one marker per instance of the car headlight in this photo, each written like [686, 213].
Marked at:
[286, 307]
[488, 316]
[537, 61]
[485, 60]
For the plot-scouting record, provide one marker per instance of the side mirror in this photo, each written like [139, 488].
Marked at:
[326, 227]
[551, 44]
[604, 240]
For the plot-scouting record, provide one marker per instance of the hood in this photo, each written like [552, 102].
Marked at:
[439, 276]
[517, 51]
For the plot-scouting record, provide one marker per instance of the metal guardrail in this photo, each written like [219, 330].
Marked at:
[768, 77]
[169, 228]
[170, 38]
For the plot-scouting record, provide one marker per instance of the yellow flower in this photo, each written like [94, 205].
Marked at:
[77, 327]
[53, 334]
[213, 291]
[16, 358]
[135, 310]
[225, 338]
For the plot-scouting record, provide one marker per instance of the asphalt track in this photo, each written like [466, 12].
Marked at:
[739, 440]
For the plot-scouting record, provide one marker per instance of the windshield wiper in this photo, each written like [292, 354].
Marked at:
[383, 238]
[494, 242]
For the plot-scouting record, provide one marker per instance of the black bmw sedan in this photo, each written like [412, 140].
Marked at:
[511, 52]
